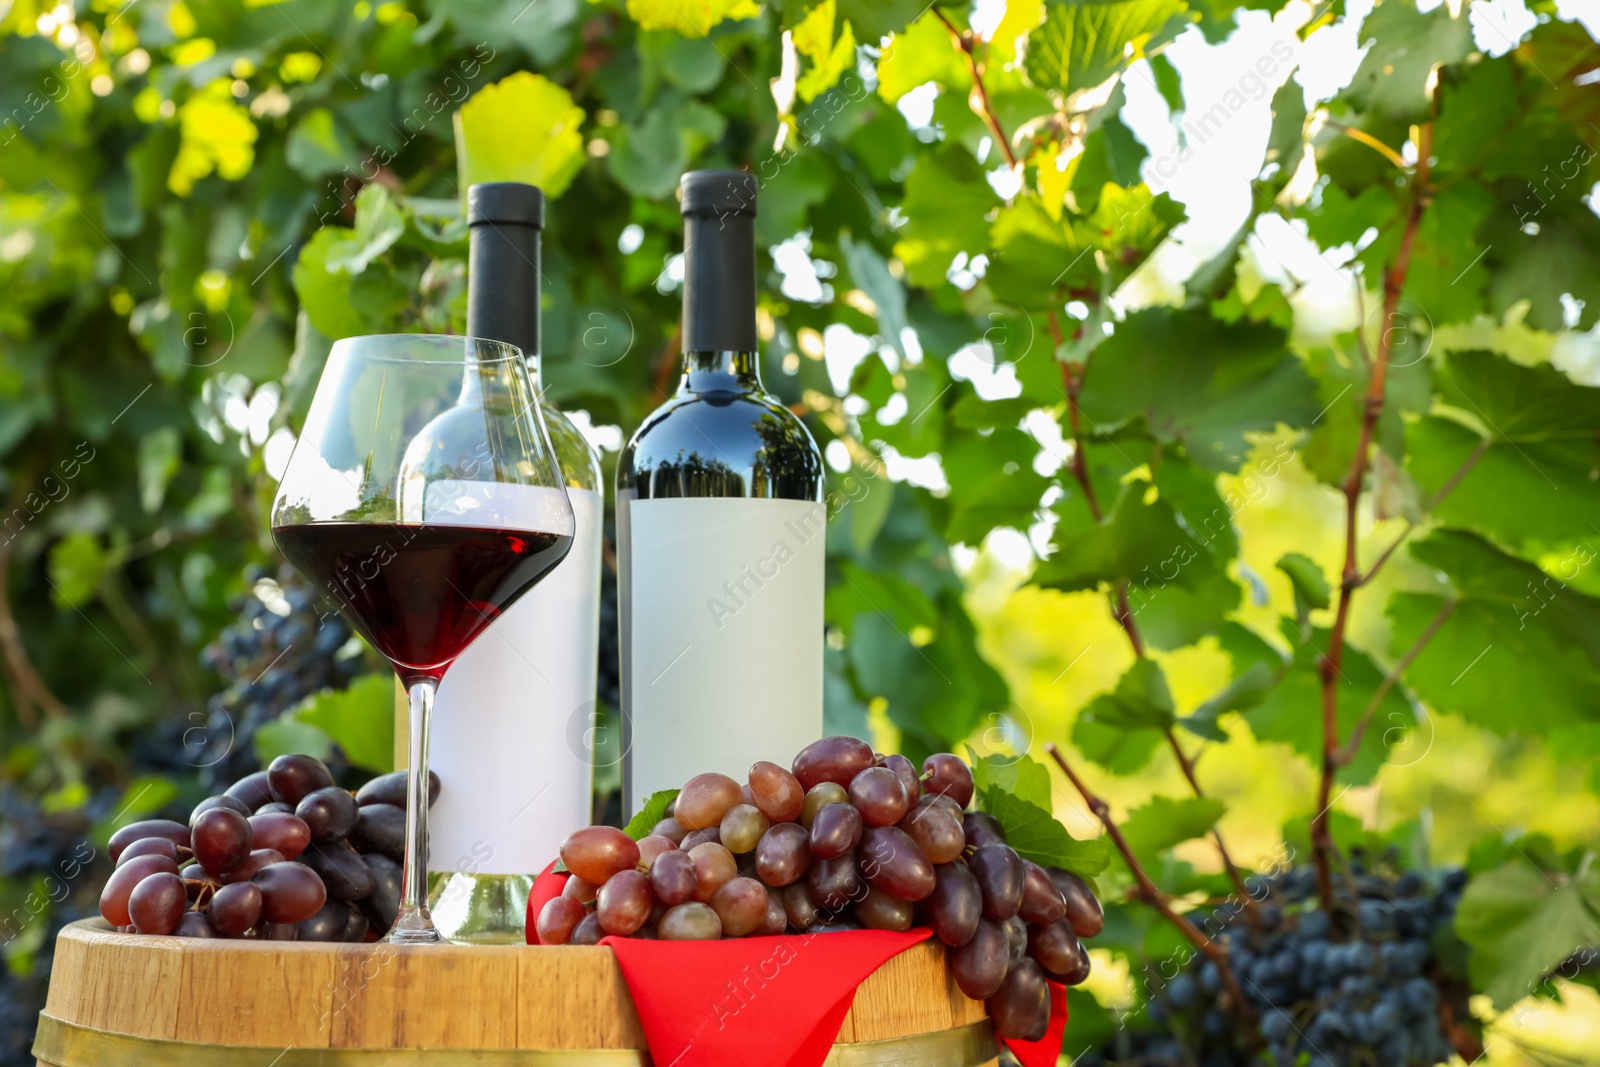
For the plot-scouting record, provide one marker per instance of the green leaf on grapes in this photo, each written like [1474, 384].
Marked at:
[1197, 381]
[286, 734]
[1162, 822]
[1405, 46]
[1081, 45]
[1540, 252]
[1037, 836]
[1532, 431]
[925, 52]
[1022, 776]
[653, 811]
[1521, 923]
[523, 128]
[648, 157]
[360, 719]
[1519, 637]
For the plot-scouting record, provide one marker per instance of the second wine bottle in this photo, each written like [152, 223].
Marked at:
[720, 533]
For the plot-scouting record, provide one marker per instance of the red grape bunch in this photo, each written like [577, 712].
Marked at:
[283, 855]
[843, 839]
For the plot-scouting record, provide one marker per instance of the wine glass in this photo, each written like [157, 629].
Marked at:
[423, 497]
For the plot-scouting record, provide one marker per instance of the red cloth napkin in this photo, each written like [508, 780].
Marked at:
[712, 1003]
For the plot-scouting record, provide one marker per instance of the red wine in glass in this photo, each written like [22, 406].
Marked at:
[423, 497]
[419, 593]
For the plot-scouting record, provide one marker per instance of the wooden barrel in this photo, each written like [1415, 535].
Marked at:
[122, 1000]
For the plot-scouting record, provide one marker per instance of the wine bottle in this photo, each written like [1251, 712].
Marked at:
[720, 533]
[513, 717]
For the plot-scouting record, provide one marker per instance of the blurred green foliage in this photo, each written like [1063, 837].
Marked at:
[196, 199]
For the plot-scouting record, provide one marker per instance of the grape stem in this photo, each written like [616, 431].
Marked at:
[982, 105]
[1351, 579]
[1150, 893]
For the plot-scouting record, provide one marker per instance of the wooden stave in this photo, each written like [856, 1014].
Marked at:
[354, 997]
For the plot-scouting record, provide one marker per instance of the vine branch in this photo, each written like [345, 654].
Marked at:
[982, 105]
[1350, 580]
[1148, 890]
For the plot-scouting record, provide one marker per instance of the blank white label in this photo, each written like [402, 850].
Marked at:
[725, 636]
[512, 726]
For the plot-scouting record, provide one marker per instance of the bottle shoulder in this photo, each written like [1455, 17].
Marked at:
[730, 444]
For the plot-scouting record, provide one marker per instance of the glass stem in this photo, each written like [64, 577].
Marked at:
[414, 925]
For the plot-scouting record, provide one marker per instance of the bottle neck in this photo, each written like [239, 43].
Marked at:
[503, 293]
[720, 372]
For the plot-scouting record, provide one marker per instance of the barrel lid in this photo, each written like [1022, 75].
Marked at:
[715, 193]
[513, 203]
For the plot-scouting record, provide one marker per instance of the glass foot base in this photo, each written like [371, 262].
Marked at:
[414, 929]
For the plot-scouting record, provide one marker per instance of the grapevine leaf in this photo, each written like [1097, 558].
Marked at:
[653, 811]
[1534, 482]
[1038, 258]
[937, 692]
[1022, 776]
[992, 483]
[360, 719]
[860, 591]
[1310, 585]
[1291, 710]
[1405, 46]
[1118, 750]
[1521, 923]
[543, 29]
[379, 224]
[888, 293]
[1247, 689]
[1162, 822]
[1081, 45]
[692, 18]
[1197, 381]
[830, 54]
[1037, 836]
[523, 128]
[875, 19]
[317, 146]
[287, 734]
[78, 564]
[925, 52]
[1121, 729]
[1540, 253]
[946, 201]
[650, 155]
[1139, 542]
[1519, 637]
